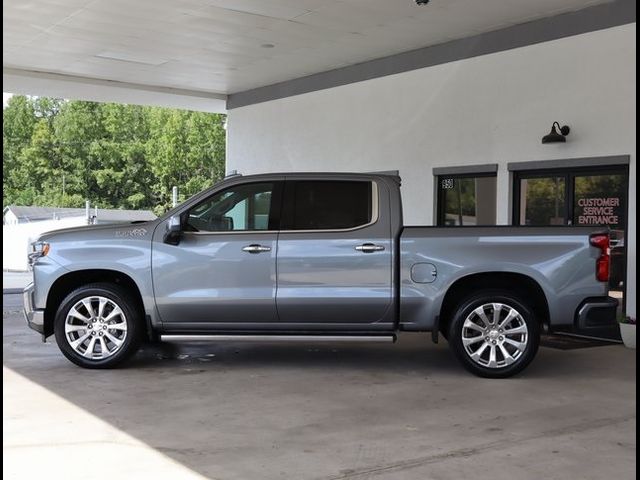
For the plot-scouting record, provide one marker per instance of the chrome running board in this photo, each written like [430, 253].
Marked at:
[278, 338]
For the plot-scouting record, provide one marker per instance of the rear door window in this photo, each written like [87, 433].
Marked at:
[327, 204]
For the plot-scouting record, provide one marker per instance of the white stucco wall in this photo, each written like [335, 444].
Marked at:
[489, 109]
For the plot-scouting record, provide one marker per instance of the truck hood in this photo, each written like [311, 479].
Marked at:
[114, 230]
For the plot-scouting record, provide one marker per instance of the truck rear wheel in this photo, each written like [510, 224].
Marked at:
[98, 326]
[494, 334]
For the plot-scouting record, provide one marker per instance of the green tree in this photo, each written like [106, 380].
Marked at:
[122, 174]
[187, 150]
[18, 122]
[117, 156]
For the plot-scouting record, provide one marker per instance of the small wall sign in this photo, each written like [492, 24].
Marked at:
[447, 183]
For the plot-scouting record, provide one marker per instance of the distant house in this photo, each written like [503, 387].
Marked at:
[16, 215]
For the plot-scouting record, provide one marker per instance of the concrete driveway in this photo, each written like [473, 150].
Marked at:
[241, 411]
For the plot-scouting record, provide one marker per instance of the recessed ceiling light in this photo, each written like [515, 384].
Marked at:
[267, 45]
[144, 59]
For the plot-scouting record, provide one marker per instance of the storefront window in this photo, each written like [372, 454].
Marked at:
[466, 200]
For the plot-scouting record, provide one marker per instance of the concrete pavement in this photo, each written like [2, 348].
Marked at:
[241, 411]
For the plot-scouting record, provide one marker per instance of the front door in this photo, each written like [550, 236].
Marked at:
[223, 271]
[335, 256]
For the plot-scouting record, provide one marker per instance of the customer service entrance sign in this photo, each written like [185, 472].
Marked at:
[598, 211]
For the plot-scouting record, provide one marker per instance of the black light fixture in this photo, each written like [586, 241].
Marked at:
[556, 137]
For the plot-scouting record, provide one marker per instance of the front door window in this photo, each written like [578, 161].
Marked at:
[243, 207]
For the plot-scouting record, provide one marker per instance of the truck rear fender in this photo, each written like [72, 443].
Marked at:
[523, 285]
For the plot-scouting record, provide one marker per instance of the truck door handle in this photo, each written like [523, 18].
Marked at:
[369, 248]
[255, 248]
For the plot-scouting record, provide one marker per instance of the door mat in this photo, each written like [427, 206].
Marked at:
[566, 342]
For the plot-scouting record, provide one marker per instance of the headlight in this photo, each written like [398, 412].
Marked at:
[38, 249]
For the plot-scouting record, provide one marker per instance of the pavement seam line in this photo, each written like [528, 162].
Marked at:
[479, 449]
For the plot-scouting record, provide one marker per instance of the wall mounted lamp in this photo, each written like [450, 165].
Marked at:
[556, 137]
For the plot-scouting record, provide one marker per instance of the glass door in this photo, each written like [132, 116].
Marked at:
[583, 197]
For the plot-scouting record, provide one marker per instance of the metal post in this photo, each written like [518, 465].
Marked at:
[87, 208]
[174, 195]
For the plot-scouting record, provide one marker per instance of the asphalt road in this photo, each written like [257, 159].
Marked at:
[242, 411]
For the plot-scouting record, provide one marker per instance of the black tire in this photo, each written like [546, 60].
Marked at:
[131, 317]
[501, 368]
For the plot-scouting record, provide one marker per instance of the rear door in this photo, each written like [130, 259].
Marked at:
[334, 263]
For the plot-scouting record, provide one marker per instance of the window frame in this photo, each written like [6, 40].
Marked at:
[440, 196]
[275, 210]
[288, 200]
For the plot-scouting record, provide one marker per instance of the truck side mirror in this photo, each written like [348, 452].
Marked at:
[174, 230]
[227, 223]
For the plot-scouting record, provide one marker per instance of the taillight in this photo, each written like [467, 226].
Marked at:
[601, 240]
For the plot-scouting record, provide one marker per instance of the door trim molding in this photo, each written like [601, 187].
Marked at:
[465, 169]
[570, 163]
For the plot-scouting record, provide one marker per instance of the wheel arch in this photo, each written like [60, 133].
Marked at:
[73, 280]
[525, 287]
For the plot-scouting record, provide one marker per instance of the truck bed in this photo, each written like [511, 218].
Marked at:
[432, 259]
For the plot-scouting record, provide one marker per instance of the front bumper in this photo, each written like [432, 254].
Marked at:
[34, 317]
[597, 312]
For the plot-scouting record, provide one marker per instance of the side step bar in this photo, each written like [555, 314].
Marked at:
[279, 338]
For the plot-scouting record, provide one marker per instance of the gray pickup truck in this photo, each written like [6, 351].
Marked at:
[314, 257]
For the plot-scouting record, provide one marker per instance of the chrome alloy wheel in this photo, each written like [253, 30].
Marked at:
[494, 335]
[95, 327]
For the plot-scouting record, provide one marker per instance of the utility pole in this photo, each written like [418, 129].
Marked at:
[174, 196]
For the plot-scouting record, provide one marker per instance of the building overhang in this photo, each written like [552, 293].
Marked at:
[27, 82]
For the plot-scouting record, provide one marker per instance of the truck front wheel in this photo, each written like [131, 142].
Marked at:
[494, 334]
[98, 326]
